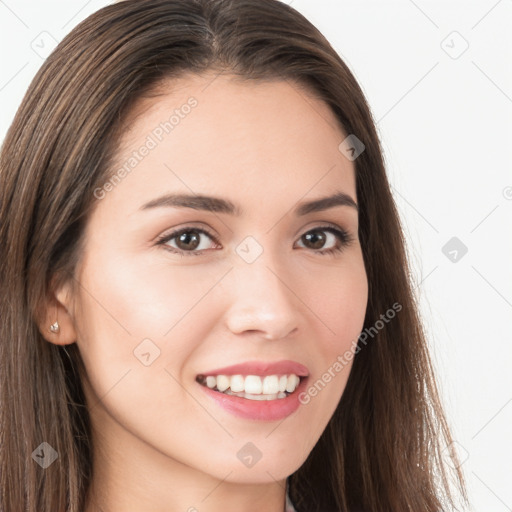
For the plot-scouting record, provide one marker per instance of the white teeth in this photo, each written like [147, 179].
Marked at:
[222, 382]
[257, 397]
[237, 383]
[254, 387]
[293, 382]
[270, 385]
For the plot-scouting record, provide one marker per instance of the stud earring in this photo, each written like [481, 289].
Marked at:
[55, 328]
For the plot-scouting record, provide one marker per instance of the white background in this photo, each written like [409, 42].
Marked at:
[445, 119]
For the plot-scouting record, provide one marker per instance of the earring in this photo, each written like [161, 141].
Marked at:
[55, 328]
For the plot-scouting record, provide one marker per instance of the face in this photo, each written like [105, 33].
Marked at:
[169, 292]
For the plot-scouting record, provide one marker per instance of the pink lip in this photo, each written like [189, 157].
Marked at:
[262, 368]
[265, 410]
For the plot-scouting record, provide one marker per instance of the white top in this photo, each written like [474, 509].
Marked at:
[289, 505]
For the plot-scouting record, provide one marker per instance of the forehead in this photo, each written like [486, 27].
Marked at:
[208, 132]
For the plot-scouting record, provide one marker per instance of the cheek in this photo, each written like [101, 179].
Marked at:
[339, 299]
[339, 303]
[135, 337]
[140, 315]
[147, 296]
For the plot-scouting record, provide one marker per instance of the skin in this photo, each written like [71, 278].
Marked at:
[160, 443]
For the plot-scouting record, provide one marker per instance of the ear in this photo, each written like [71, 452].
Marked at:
[58, 310]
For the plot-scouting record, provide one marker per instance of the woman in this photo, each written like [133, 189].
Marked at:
[207, 300]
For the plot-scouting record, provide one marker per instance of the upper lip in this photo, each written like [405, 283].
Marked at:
[262, 368]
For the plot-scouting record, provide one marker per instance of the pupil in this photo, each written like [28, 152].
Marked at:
[318, 239]
[185, 238]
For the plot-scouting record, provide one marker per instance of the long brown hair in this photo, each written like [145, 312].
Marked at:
[382, 449]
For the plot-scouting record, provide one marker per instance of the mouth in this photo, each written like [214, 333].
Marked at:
[253, 387]
[257, 390]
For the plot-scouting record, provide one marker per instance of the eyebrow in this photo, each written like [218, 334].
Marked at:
[220, 205]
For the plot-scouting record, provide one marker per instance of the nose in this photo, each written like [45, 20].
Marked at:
[262, 300]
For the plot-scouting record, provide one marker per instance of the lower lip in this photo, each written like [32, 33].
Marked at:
[266, 410]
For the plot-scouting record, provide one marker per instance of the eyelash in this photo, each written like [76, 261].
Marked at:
[344, 238]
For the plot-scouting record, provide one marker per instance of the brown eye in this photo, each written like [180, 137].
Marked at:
[187, 240]
[316, 239]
